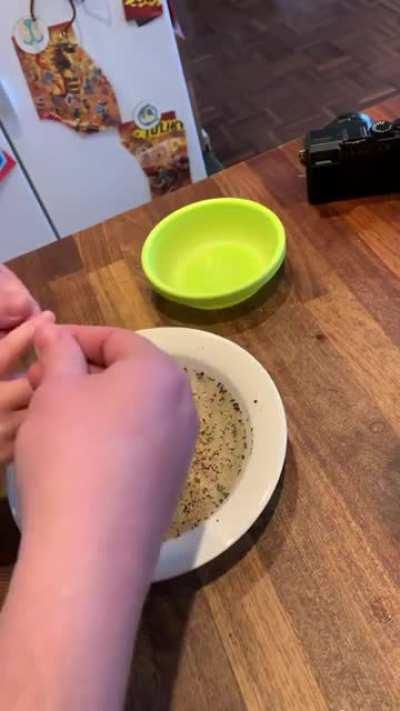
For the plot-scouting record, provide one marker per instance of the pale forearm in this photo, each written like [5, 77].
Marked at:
[100, 462]
[70, 619]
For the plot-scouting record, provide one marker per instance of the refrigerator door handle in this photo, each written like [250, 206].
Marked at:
[8, 115]
[6, 107]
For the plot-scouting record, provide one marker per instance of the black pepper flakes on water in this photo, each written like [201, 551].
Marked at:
[221, 452]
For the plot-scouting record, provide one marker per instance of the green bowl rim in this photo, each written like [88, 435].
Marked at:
[276, 260]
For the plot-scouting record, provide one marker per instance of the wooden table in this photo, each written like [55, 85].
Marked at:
[302, 614]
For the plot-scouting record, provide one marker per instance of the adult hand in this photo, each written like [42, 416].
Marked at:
[16, 303]
[15, 393]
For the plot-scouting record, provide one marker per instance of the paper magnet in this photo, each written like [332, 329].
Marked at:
[161, 149]
[31, 35]
[7, 163]
[142, 11]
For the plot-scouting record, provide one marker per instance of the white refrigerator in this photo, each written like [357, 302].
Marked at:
[82, 179]
[23, 222]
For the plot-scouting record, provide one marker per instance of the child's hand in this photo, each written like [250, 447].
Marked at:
[104, 455]
[16, 303]
[15, 393]
[100, 462]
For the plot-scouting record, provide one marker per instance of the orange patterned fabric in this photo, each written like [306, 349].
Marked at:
[161, 151]
[142, 10]
[67, 86]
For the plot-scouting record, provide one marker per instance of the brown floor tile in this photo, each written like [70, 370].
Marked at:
[266, 70]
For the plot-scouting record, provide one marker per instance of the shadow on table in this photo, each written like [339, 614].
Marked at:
[249, 314]
[161, 640]
[347, 206]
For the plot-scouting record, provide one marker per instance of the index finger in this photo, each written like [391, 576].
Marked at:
[103, 346]
[14, 345]
[17, 304]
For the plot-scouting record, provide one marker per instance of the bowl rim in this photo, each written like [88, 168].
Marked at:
[276, 260]
[258, 393]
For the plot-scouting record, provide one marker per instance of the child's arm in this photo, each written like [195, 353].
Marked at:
[100, 462]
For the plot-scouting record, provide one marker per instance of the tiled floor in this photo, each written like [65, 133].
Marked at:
[265, 71]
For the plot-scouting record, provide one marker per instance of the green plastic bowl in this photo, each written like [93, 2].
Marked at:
[215, 253]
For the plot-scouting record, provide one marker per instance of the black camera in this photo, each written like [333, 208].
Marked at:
[352, 156]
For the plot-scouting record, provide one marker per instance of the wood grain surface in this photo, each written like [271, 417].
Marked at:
[303, 613]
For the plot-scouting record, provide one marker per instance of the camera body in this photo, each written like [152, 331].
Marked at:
[351, 157]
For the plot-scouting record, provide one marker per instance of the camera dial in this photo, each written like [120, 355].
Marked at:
[382, 127]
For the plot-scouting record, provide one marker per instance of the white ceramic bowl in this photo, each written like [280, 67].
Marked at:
[258, 396]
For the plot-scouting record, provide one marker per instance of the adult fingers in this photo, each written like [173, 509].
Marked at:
[16, 303]
[34, 374]
[15, 394]
[10, 424]
[19, 307]
[14, 345]
[104, 346]
[9, 427]
[58, 352]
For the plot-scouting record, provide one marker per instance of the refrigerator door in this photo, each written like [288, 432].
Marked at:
[23, 224]
[85, 179]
